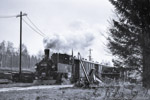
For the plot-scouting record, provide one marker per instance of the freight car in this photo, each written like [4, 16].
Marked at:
[110, 72]
[100, 71]
[78, 72]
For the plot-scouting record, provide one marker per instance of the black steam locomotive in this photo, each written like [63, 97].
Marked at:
[54, 70]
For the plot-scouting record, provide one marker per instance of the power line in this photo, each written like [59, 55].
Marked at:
[33, 28]
[8, 16]
[36, 29]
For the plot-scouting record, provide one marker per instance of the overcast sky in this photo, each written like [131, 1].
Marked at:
[77, 24]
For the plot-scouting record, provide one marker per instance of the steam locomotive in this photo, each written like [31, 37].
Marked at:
[62, 68]
[52, 71]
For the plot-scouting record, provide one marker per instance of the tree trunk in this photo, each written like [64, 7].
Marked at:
[146, 71]
[146, 61]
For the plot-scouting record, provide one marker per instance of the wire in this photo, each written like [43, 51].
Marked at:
[8, 16]
[33, 28]
[35, 25]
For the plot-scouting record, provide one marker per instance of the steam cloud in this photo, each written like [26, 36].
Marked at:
[67, 42]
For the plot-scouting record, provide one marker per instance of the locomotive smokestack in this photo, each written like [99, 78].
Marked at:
[46, 53]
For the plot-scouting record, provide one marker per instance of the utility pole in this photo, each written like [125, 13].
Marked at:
[90, 55]
[20, 61]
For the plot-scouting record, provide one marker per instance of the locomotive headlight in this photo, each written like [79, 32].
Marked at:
[53, 66]
[35, 67]
[43, 74]
[36, 78]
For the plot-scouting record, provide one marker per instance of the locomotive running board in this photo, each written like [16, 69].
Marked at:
[44, 82]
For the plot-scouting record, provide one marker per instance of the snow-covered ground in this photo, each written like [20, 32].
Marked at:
[34, 87]
[67, 92]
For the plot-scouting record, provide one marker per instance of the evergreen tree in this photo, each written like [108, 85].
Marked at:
[9, 57]
[130, 35]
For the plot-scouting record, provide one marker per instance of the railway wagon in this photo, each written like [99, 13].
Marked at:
[77, 70]
[110, 72]
[101, 71]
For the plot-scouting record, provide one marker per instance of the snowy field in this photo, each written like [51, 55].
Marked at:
[54, 92]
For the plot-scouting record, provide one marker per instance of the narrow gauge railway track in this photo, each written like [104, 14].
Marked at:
[34, 88]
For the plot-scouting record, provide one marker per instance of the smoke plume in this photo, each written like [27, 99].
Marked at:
[60, 43]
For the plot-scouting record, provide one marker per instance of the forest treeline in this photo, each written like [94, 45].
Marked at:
[9, 56]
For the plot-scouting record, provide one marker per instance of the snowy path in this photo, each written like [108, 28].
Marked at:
[34, 87]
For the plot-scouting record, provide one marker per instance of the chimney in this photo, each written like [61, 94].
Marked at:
[46, 53]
